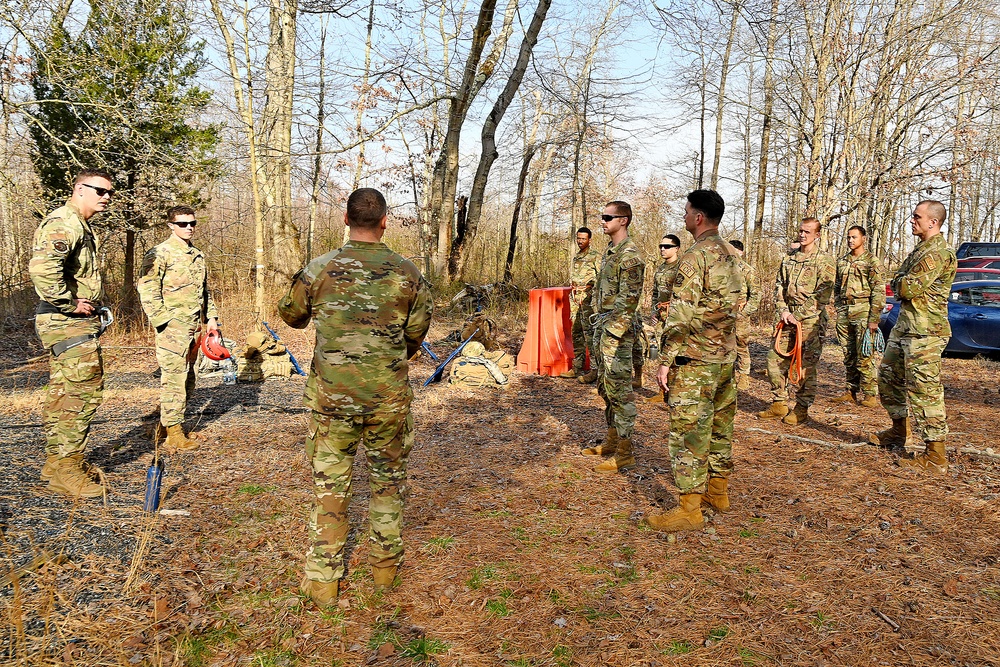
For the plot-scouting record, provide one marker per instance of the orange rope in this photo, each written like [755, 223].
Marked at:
[795, 368]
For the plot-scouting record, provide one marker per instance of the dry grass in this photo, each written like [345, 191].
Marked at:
[518, 554]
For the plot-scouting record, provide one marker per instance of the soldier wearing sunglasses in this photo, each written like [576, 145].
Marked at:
[173, 289]
[65, 275]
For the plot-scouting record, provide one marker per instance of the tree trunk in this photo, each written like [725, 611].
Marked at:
[508, 267]
[318, 146]
[720, 104]
[765, 130]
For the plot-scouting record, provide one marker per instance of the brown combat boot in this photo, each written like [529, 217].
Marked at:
[897, 435]
[870, 402]
[717, 495]
[934, 459]
[742, 382]
[384, 577]
[848, 396]
[588, 378]
[777, 410]
[686, 516]
[637, 379]
[322, 593]
[606, 448]
[571, 373]
[622, 460]
[70, 475]
[798, 416]
[178, 442]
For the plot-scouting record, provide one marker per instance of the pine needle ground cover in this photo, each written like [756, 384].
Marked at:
[517, 553]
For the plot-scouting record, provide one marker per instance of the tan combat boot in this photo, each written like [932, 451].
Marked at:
[870, 402]
[588, 378]
[717, 495]
[606, 448]
[49, 469]
[622, 460]
[934, 459]
[686, 516]
[777, 410]
[742, 382]
[897, 435]
[848, 396]
[70, 476]
[637, 379]
[571, 373]
[384, 577]
[177, 441]
[798, 416]
[322, 593]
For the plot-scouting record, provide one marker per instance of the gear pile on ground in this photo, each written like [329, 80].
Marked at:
[208, 368]
[476, 367]
[263, 358]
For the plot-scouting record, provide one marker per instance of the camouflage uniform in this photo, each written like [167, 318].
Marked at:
[743, 317]
[911, 365]
[616, 299]
[372, 309]
[63, 267]
[804, 288]
[584, 275]
[173, 289]
[663, 285]
[700, 344]
[859, 295]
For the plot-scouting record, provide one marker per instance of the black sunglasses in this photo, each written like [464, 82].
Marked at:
[100, 191]
[185, 223]
[664, 246]
[609, 218]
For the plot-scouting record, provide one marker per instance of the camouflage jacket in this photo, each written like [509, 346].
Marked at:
[372, 309]
[708, 292]
[586, 265]
[63, 264]
[663, 285]
[860, 280]
[619, 287]
[173, 284]
[753, 288]
[804, 285]
[923, 285]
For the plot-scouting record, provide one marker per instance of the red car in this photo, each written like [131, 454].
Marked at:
[979, 263]
[964, 274]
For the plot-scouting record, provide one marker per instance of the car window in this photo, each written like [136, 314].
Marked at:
[986, 297]
[991, 297]
[961, 296]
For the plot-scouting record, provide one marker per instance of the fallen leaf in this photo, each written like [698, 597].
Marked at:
[386, 649]
[951, 588]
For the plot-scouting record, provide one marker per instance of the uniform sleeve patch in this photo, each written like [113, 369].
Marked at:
[631, 262]
[61, 247]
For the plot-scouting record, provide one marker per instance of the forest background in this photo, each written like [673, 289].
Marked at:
[494, 129]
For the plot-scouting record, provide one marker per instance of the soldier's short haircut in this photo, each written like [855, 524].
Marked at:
[621, 208]
[709, 203]
[736, 243]
[92, 173]
[861, 230]
[676, 240]
[175, 211]
[584, 230]
[365, 208]
[819, 225]
[936, 209]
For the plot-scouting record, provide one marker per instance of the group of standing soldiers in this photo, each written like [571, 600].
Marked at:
[702, 301]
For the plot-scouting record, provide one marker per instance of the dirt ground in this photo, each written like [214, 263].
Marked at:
[517, 552]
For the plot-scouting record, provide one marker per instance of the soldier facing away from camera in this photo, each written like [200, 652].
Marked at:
[65, 275]
[372, 309]
[173, 290]
[743, 318]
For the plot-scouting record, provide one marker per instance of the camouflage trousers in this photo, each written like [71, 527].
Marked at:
[582, 332]
[702, 409]
[742, 344]
[614, 380]
[176, 354]
[911, 373]
[813, 330]
[640, 346]
[330, 448]
[852, 322]
[76, 383]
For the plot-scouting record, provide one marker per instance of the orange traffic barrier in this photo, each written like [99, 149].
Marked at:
[548, 343]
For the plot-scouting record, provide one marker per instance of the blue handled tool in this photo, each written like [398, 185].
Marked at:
[427, 348]
[298, 369]
[436, 375]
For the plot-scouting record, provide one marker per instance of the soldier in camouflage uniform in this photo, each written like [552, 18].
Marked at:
[743, 319]
[372, 309]
[586, 264]
[64, 273]
[616, 299]
[858, 295]
[803, 290]
[696, 363]
[910, 372]
[663, 285]
[173, 289]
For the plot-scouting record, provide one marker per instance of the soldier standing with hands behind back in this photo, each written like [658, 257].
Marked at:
[586, 264]
[64, 273]
[173, 289]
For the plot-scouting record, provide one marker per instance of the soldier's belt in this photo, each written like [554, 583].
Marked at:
[106, 319]
[46, 308]
[859, 298]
